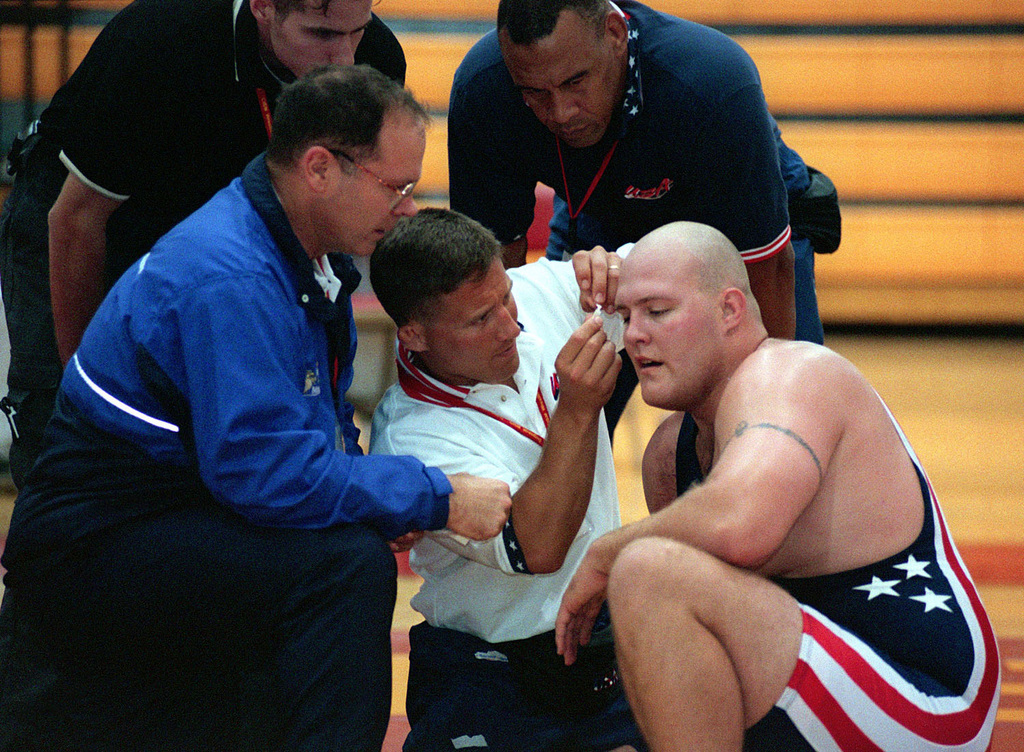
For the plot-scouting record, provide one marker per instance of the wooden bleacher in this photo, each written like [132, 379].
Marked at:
[901, 162]
[916, 110]
[713, 12]
[921, 132]
[902, 75]
[884, 74]
[781, 12]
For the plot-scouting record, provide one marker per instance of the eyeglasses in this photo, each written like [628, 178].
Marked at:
[401, 193]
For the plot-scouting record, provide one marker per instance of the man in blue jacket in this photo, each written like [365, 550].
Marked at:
[201, 508]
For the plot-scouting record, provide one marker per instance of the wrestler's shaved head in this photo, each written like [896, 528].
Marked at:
[691, 316]
[705, 251]
[693, 250]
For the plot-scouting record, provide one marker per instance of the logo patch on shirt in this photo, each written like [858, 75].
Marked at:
[650, 194]
[469, 742]
[554, 385]
[312, 386]
[491, 655]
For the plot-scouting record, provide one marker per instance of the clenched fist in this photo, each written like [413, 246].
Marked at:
[477, 507]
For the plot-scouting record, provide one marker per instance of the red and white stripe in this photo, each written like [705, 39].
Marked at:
[752, 255]
[420, 387]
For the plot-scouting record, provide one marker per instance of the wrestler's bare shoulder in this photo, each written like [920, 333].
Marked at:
[781, 365]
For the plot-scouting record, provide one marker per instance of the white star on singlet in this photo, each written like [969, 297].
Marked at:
[879, 587]
[932, 601]
[914, 568]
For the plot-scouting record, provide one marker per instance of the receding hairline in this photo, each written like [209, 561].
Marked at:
[329, 93]
[526, 27]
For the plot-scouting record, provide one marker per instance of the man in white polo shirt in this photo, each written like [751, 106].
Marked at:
[503, 375]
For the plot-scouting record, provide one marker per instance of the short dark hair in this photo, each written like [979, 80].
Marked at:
[340, 107]
[284, 7]
[426, 256]
[526, 21]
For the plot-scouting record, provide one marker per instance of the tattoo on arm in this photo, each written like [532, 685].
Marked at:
[743, 427]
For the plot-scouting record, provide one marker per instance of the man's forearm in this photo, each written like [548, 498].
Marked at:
[78, 247]
[76, 285]
[549, 507]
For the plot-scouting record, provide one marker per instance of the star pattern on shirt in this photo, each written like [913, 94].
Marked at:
[914, 568]
[634, 99]
[514, 552]
[932, 600]
[878, 587]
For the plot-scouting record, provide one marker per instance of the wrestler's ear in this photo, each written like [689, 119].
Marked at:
[411, 335]
[733, 306]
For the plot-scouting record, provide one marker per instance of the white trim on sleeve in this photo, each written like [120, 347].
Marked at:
[98, 188]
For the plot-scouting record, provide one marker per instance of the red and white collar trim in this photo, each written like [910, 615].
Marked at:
[424, 388]
[419, 386]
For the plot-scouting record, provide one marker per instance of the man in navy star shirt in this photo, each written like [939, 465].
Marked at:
[802, 593]
[635, 119]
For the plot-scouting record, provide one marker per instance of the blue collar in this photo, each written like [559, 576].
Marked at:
[260, 191]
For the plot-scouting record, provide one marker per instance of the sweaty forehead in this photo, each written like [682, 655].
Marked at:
[541, 70]
[645, 277]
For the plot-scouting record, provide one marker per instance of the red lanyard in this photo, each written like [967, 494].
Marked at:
[531, 435]
[416, 385]
[544, 414]
[264, 109]
[593, 185]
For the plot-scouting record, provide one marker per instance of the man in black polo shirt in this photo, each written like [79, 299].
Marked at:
[170, 104]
